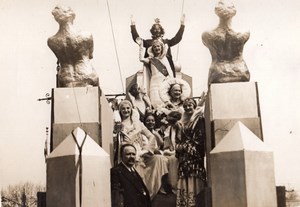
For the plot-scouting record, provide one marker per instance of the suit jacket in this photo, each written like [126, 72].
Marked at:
[128, 190]
[170, 42]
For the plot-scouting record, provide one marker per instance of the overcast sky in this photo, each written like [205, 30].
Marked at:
[28, 68]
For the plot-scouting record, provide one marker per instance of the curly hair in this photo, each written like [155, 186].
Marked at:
[190, 100]
[160, 27]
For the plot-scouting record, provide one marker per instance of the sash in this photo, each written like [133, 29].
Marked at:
[160, 67]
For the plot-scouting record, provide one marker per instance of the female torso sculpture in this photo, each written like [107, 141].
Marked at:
[226, 48]
[73, 49]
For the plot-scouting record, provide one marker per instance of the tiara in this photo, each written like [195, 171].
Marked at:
[157, 21]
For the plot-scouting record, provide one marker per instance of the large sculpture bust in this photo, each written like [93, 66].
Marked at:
[226, 48]
[73, 49]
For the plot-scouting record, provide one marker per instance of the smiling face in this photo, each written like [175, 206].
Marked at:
[175, 92]
[189, 107]
[150, 122]
[156, 48]
[157, 31]
[125, 110]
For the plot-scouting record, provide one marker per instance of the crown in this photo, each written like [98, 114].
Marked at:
[157, 21]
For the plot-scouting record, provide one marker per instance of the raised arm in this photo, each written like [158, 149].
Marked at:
[149, 136]
[134, 32]
[177, 38]
[140, 41]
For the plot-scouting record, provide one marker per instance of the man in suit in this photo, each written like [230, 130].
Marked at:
[127, 187]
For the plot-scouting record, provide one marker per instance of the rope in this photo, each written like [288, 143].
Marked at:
[182, 6]
[76, 102]
[112, 30]
[80, 165]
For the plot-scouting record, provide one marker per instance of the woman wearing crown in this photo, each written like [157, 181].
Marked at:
[158, 32]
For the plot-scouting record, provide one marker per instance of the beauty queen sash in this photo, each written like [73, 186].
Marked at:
[160, 67]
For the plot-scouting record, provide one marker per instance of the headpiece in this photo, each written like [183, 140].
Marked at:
[190, 100]
[157, 21]
[168, 84]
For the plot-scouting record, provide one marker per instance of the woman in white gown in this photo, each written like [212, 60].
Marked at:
[159, 66]
[150, 166]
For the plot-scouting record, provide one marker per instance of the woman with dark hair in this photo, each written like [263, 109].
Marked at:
[158, 32]
[139, 99]
[150, 123]
[165, 146]
[190, 151]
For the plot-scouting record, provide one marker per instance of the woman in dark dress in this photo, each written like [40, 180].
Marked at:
[190, 151]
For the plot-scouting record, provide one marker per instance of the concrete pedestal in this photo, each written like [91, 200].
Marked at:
[226, 104]
[242, 171]
[78, 173]
[83, 107]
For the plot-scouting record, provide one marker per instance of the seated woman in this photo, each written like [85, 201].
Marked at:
[140, 100]
[173, 92]
[150, 123]
[151, 167]
[166, 136]
[159, 66]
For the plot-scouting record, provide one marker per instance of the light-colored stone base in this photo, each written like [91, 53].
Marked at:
[75, 178]
[242, 171]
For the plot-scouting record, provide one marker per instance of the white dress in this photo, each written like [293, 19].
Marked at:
[157, 77]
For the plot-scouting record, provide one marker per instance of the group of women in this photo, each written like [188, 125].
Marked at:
[170, 148]
[166, 127]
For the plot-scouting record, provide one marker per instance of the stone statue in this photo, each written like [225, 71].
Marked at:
[226, 48]
[73, 49]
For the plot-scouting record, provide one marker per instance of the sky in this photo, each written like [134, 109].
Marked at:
[28, 68]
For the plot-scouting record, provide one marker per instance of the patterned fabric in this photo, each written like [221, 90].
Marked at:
[190, 151]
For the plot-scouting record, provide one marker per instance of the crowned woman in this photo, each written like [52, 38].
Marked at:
[158, 32]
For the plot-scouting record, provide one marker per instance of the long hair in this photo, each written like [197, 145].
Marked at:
[122, 103]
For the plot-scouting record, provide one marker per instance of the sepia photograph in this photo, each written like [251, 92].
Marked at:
[148, 103]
